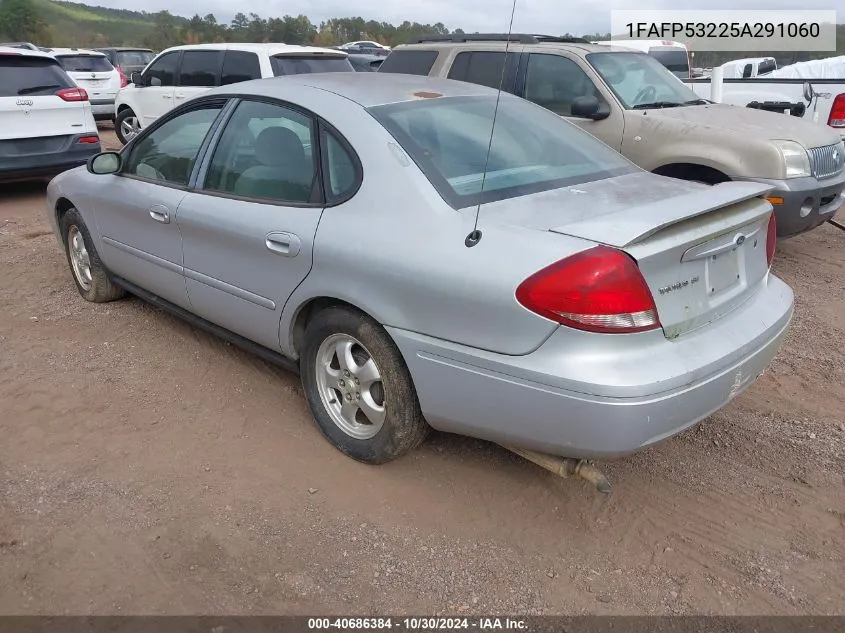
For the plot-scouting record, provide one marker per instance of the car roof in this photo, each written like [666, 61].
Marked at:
[75, 51]
[24, 52]
[269, 48]
[121, 49]
[487, 44]
[365, 89]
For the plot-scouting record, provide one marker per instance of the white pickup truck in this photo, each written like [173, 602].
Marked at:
[819, 100]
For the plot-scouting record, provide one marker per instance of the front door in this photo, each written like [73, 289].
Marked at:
[248, 231]
[554, 81]
[199, 72]
[155, 98]
[137, 213]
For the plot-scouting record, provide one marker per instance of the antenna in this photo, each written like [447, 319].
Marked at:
[474, 236]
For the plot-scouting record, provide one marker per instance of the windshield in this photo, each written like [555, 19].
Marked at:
[134, 58]
[84, 63]
[673, 58]
[532, 149]
[639, 80]
[290, 65]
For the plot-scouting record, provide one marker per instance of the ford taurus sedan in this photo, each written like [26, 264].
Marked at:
[531, 287]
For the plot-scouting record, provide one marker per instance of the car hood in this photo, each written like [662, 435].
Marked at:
[618, 211]
[751, 124]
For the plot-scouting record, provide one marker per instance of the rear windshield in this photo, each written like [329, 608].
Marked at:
[20, 75]
[675, 59]
[84, 63]
[302, 65]
[532, 149]
[134, 58]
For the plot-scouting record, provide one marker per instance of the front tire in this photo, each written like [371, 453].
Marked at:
[126, 125]
[358, 387]
[89, 274]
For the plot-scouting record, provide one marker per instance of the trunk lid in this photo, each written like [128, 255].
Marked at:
[92, 72]
[701, 249]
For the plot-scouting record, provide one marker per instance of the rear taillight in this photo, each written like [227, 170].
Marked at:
[598, 290]
[89, 139]
[771, 239]
[837, 112]
[73, 94]
[123, 80]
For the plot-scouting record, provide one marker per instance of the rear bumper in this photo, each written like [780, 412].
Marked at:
[807, 202]
[102, 109]
[47, 164]
[581, 395]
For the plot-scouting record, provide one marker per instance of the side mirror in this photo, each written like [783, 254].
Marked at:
[589, 108]
[809, 93]
[136, 78]
[104, 163]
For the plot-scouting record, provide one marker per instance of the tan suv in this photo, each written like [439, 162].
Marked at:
[633, 103]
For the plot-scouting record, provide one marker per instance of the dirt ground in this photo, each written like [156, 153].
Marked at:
[149, 468]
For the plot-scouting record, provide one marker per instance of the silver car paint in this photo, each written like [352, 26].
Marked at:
[396, 251]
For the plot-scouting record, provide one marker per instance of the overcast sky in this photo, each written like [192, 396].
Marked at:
[532, 16]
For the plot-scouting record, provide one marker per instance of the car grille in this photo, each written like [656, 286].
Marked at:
[828, 161]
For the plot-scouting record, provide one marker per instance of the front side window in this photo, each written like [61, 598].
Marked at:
[265, 152]
[640, 81]
[168, 153]
[554, 82]
[532, 149]
[85, 63]
[304, 64]
[163, 70]
[199, 68]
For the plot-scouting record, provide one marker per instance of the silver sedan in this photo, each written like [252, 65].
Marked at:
[528, 286]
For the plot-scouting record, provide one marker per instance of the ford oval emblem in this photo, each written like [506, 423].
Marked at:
[740, 240]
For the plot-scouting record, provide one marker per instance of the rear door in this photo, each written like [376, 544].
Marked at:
[29, 105]
[92, 72]
[199, 72]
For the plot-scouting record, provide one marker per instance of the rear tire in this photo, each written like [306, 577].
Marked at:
[90, 275]
[126, 121]
[358, 387]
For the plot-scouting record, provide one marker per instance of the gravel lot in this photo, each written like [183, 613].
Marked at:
[150, 468]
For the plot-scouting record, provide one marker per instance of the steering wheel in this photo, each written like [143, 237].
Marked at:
[646, 95]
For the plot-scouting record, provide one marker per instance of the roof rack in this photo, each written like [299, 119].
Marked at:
[522, 38]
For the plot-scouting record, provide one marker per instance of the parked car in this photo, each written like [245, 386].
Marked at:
[93, 71]
[128, 60]
[323, 221]
[637, 106]
[363, 62]
[26, 45]
[47, 122]
[181, 72]
[372, 48]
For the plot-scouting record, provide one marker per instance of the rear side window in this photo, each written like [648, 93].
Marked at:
[239, 66]
[409, 62]
[85, 63]
[301, 65]
[21, 75]
[199, 68]
[485, 68]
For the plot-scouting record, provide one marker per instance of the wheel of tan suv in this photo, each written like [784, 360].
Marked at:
[358, 387]
[92, 279]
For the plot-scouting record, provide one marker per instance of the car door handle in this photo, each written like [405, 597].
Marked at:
[166, 97]
[160, 214]
[180, 96]
[286, 244]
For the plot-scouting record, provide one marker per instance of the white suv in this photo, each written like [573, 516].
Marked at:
[93, 71]
[182, 72]
[47, 125]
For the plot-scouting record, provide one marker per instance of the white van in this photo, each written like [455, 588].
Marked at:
[180, 73]
[673, 55]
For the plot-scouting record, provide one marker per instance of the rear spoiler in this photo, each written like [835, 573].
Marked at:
[636, 223]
